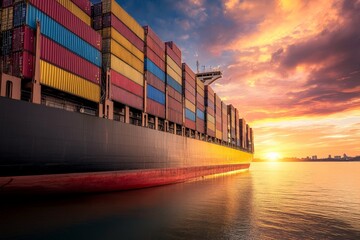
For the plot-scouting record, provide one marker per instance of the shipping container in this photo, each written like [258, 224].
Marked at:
[154, 38]
[111, 46]
[237, 128]
[65, 18]
[96, 9]
[173, 83]
[110, 20]
[175, 68]
[190, 124]
[63, 36]
[189, 96]
[6, 3]
[19, 14]
[242, 124]
[127, 98]
[84, 5]
[155, 108]
[224, 122]
[174, 48]
[23, 39]
[174, 104]
[175, 116]
[174, 94]
[23, 64]
[172, 55]
[113, 7]
[200, 125]
[154, 81]
[150, 54]
[155, 94]
[231, 124]
[189, 105]
[200, 88]
[60, 79]
[76, 11]
[190, 115]
[7, 18]
[112, 62]
[151, 67]
[6, 42]
[7, 64]
[57, 55]
[200, 114]
[125, 83]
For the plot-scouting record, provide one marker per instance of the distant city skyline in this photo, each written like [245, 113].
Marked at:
[290, 66]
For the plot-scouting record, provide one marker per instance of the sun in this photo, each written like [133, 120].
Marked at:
[272, 156]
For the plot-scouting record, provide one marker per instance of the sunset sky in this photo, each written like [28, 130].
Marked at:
[291, 67]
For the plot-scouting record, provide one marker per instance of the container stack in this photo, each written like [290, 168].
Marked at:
[242, 124]
[224, 122]
[200, 106]
[210, 111]
[7, 14]
[174, 83]
[218, 117]
[189, 83]
[70, 57]
[123, 53]
[252, 149]
[154, 73]
[231, 124]
[237, 128]
[248, 136]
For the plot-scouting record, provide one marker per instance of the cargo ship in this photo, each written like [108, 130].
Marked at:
[91, 101]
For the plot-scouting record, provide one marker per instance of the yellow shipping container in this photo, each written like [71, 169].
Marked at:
[210, 126]
[111, 32]
[110, 45]
[69, 5]
[173, 74]
[121, 67]
[200, 91]
[7, 18]
[173, 65]
[218, 134]
[210, 118]
[60, 79]
[189, 105]
[120, 13]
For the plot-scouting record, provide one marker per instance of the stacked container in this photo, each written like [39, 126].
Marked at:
[218, 117]
[224, 122]
[251, 141]
[248, 136]
[80, 8]
[154, 73]
[242, 124]
[237, 128]
[189, 83]
[123, 53]
[7, 10]
[210, 111]
[70, 57]
[200, 106]
[231, 124]
[174, 83]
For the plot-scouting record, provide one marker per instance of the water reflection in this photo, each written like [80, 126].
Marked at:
[203, 209]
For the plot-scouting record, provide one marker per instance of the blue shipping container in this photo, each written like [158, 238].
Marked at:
[61, 35]
[174, 84]
[190, 115]
[19, 14]
[155, 94]
[151, 67]
[200, 114]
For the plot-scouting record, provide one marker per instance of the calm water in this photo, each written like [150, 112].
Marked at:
[271, 201]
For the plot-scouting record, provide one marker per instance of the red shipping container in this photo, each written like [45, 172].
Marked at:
[189, 71]
[63, 16]
[210, 103]
[155, 48]
[210, 111]
[175, 105]
[150, 54]
[173, 56]
[188, 80]
[155, 108]
[200, 125]
[7, 3]
[190, 97]
[23, 38]
[23, 64]
[175, 116]
[122, 96]
[110, 19]
[154, 81]
[190, 89]
[218, 125]
[209, 92]
[65, 59]
[175, 49]
[174, 94]
[125, 83]
[155, 38]
[210, 132]
[190, 124]
[83, 5]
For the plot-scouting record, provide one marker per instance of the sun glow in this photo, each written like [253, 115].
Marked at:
[272, 156]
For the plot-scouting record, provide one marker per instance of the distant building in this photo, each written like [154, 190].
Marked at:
[314, 157]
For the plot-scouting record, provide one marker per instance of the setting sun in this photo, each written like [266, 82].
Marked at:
[272, 156]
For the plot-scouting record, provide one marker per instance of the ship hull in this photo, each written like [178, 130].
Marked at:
[44, 149]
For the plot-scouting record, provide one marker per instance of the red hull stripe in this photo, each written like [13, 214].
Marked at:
[107, 181]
